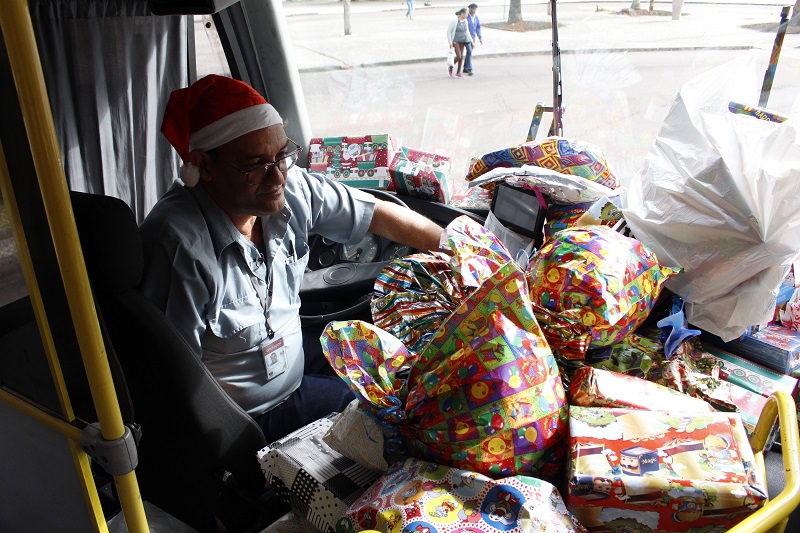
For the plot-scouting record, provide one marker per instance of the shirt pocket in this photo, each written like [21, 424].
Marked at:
[238, 325]
[295, 269]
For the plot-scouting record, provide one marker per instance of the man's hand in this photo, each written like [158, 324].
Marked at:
[404, 226]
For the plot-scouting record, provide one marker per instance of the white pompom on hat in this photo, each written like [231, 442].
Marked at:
[211, 112]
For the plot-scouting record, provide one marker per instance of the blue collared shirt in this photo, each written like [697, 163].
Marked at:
[474, 24]
[212, 282]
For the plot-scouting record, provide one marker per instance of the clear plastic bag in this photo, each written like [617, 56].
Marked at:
[719, 196]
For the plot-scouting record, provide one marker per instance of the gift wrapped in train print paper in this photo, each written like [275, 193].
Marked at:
[361, 161]
[600, 278]
[660, 471]
[423, 497]
[484, 395]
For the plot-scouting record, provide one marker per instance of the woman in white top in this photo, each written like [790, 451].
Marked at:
[457, 37]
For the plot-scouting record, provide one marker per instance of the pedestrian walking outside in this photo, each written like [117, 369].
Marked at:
[474, 26]
[410, 12]
[458, 37]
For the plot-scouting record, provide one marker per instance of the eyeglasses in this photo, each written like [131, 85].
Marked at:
[257, 174]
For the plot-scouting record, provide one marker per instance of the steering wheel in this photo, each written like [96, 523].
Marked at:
[339, 279]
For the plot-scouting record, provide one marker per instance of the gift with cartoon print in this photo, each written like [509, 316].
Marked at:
[422, 497]
[660, 471]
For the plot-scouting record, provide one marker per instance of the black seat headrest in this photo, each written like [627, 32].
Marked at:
[109, 235]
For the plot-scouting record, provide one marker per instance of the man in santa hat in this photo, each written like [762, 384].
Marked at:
[225, 251]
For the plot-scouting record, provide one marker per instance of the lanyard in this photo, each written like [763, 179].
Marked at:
[265, 302]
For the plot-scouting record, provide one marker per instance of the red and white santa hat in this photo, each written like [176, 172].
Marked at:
[211, 112]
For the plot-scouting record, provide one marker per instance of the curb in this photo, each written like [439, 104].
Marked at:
[377, 64]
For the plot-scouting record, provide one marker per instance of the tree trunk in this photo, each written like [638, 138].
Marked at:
[515, 11]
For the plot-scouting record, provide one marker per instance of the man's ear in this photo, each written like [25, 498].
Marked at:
[201, 160]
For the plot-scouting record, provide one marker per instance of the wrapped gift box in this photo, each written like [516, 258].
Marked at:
[422, 174]
[356, 161]
[473, 199]
[594, 387]
[773, 346]
[421, 497]
[315, 480]
[751, 376]
[660, 471]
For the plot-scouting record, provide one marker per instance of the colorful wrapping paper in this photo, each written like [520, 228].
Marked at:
[749, 375]
[698, 374]
[635, 355]
[593, 387]
[477, 253]
[563, 216]
[484, 395]
[598, 277]
[418, 496]
[423, 174]
[413, 296]
[562, 155]
[660, 471]
[474, 199]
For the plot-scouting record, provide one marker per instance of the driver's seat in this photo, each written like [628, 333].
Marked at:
[197, 454]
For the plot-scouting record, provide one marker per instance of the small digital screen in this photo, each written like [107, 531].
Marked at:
[517, 208]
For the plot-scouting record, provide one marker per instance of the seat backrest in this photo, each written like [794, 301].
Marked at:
[191, 429]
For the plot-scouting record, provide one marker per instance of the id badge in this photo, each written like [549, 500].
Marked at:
[275, 358]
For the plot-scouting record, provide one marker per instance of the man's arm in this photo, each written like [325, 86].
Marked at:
[478, 29]
[405, 226]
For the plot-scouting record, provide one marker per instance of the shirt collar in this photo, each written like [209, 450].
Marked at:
[224, 233]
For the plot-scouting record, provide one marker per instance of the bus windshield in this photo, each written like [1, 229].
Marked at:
[379, 70]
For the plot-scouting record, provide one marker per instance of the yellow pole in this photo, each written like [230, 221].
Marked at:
[772, 517]
[23, 55]
[72, 433]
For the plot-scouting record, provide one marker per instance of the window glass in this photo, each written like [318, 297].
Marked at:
[210, 57]
[621, 69]
[12, 281]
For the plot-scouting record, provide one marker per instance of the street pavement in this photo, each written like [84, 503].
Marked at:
[381, 35]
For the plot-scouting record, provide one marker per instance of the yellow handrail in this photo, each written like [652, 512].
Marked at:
[773, 516]
[17, 28]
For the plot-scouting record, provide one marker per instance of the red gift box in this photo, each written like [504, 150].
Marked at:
[422, 174]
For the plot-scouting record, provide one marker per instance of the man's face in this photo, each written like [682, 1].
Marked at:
[472, 10]
[230, 188]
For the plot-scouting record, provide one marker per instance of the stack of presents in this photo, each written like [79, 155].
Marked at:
[583, 386]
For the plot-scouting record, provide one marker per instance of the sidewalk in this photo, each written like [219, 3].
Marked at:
[382, 36]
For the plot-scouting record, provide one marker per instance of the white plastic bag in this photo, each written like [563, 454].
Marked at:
[451, 58]
[719, 195]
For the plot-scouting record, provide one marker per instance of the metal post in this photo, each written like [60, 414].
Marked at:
[769, 75]
[556, 128]
[346, 17]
